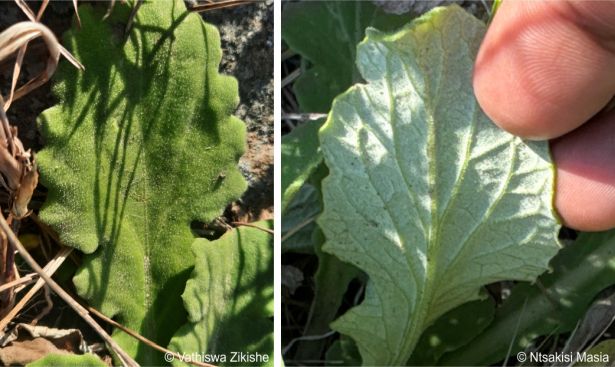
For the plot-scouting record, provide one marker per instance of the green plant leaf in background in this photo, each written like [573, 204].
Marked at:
[325, 33]
[141, 144]
[453, 330]
[343, 352]
[332, 276]
[229, 297]
[606, 348]
[68, 360]
[553, 306]
[426, 195]
[331, 283]
[301, 156]
[299, 220]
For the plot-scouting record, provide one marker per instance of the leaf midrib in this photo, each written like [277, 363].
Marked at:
[415, 327]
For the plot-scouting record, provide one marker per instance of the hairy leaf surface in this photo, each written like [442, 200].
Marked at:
[68, 360]
[141, 144]
[426, 195]
[229, 297]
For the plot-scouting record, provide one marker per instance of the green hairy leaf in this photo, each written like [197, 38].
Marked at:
[425, 194]
[229, 297]
[554, 306]
[68, 360]
[141, 144]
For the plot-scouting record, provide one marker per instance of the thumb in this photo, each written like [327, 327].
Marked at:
[546, 67]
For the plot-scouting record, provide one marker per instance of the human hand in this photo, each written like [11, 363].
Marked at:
[546, 70]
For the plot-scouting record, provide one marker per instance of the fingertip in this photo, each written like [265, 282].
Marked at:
[540, 75]
[585, 186]
[575, 203]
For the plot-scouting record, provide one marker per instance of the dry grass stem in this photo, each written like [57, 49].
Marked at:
[23, 281]
[77, 13]
[20, 56]
[18, 172]
[297, 228]
[244, 224]
[304, 116]
[46, 310]
[218, 5]
[291, 77]
[143, 339]
[64, 52]
[49, 269]
[18, 36]
[109, 9]
[122, 355]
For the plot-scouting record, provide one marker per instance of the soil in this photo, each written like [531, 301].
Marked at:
[247, 43]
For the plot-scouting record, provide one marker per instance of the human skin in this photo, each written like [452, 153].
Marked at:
[546, 70]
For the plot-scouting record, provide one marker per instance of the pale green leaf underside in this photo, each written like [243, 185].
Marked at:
[229, 297]
[426, 195]
[141, 144]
